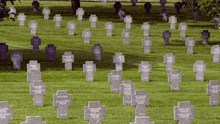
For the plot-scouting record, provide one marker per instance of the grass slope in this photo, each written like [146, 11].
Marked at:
[15, 89]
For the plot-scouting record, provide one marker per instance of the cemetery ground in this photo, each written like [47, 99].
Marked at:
[15, 88]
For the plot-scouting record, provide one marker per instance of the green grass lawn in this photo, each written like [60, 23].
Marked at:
[15, 89]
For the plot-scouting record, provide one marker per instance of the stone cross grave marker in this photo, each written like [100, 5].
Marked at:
[89, 68]
[118, 59]
[58, 19]
[62, 100]
[146, 43]
[121, 14]
[21, 18]
[6, 112]
[127, 89]
[94, 112]
[190, 43]
[115, 78]
[169, 59]
[172, 21]
[199, 68]
[86, 34]
[33, 120]
[68, 59]
[215, 51]
[80, 12]
[126, 36]
[133, 3]
[147, 7]
[128, 20]
[104, 2]
[217, 22]
[12, 13]
[205, 37]
[162, 3]
[97, 51]
[166, 36]
[174, 78]
[35, 5]
[197, 14]
[50, 50]
[178, 7]
[3, 51]
[71, 26]
[144, 69]
[164, 14]
[38, 88]
[117, 6]
[17, 58]
[140, 100]
[213, 90]
[46, 12]
[146, 29]
[109, 26]
[93, 20]
[184, 112]
[33, 67]
[33, 27]
[36, 42]
[182, 28]
[142, 120]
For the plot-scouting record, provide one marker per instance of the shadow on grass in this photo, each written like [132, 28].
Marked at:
[107, 13]
[79, 56]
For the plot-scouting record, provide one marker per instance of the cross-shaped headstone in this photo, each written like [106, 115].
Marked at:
[215, 51]
[68, 59]
[162, 3]
[146, 29]
[144, 69]
[182, 28]
[93, 20]
[169, 59]
[146, 43]
[115, 78]
[178, 7]
[33, 67]
[36, 42]
[117, 6]
[121, 14]
[128, 20]
[199, 68]
[6, 112]
[140, 100]
[71, 26]
[126, 36]
[86, 34]
[147, 7]
[38, 88]
[33, 120]
[34, 75]
[217, 22]
[190, 43]
[21, 18]
[104, 2]
[46, 12]
[118, 59]
[35, 5]
[3, 51]
[50, 50]
[164, 14]
[12, 13]
[142, 120]
[58, 19]
[33, 26]
[174, 78]
[205, 37]
[172, 21]
[133, 2]
[17, 58]
[80, 12]
[62, 100]
[127, 89]
[184, 112]
[166, 36]
[94, 112]
[97, 51]
[89, 68]
[109, 26]
[213, 90]
[197, 13]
